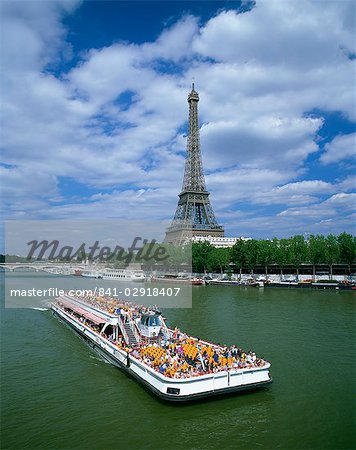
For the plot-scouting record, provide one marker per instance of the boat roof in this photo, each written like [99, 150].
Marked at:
[87, 307]
[83, 312]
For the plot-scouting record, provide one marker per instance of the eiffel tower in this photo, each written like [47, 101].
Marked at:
[194, 214]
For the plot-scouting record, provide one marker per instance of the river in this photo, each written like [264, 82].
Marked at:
[58, 394]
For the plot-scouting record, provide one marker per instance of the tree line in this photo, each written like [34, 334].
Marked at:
[202, 257]
[294, 251]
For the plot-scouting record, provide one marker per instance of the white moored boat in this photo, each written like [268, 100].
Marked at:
[171, 364]
[123, 274]
[91, 273]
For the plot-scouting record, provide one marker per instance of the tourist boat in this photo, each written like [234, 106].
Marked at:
[137, 339]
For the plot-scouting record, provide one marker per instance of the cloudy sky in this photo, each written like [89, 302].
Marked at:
[94, 110]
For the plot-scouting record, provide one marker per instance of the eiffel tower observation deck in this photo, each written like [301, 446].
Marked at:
[194, 214]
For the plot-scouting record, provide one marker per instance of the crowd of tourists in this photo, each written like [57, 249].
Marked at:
[185, 357]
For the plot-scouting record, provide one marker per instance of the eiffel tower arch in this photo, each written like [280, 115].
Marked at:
[194, 215]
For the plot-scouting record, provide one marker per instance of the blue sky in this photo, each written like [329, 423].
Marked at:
[94, 111]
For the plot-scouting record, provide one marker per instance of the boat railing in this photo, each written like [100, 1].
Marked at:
[123, 331]
[165, 329]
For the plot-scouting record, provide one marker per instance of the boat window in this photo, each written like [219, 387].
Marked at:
[153, 321]
[174, 391]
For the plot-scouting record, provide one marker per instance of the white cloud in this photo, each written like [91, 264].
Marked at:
[340, 148]
[22, 186]
[311, 34]
[329, 207]
[334, 215]
[307, 186]
[284, 226]
[280, 48]
[348, 184]
[266, 187]
[343, 200]
[265, 142]
[174, 43]
[32, 36]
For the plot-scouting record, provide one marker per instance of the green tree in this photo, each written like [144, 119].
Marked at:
[201, 256]
[219, 259]
[265, 254]
[316, 251]
[332, 252]
[282, 253]
[347, 248]
[237, 255]
[251, 249]
[298, 251]
[179, 257]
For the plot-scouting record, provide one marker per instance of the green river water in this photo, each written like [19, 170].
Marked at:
[58, 394]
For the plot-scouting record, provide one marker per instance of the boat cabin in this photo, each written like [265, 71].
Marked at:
[150, 325]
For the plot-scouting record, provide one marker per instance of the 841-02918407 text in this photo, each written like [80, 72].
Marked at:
[139, 292]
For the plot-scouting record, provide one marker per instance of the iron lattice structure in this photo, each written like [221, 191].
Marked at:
[194, 214]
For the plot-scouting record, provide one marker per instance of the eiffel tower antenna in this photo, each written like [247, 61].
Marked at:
[194, 214]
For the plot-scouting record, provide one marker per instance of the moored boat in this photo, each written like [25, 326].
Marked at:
[173, 279]
[316, 285]
[91, 274]
[171, 364]
[246, 282]
[123, 274]
[223, 282]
